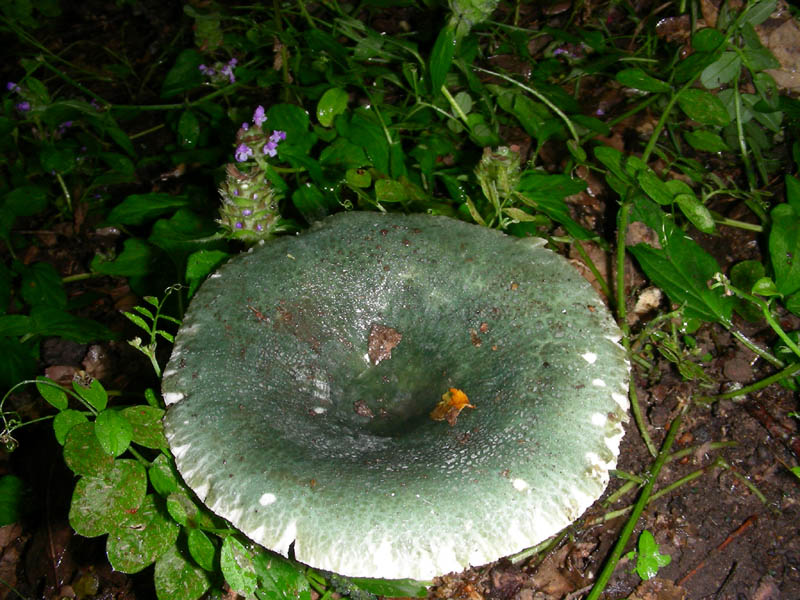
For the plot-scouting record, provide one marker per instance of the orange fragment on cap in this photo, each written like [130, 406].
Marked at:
[450, 406]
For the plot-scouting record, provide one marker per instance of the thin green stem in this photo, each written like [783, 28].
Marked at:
[597, 276]
[220, 92]
[622, 319]
[541, 97]
[456, 108]
[755, 348]
[65, 191]
[792, 370]
[134, 136]
[739, 224]
[638, 508]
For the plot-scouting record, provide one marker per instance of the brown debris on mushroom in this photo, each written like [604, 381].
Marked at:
[382, 340]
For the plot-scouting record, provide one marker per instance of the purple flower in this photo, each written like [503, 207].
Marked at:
[243, 152]
[259, 227]
[12, 87]
[277, 136]
[207, 71]
[64, 126]
[246, 212]
[271, 148]
[24, 106]
[258, 116]
[245, 126]
[228, 70]
[239, 225]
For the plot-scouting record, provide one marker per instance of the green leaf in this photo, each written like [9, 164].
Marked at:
[113, 431]
[188, 129]
[703, 107]
[765, 287]
[682, 269]
[100, 504]
[332, 103]
[26, 201]
[200, 264]
[119, 163]
[282, 579]
[163, 475]
[389, 190]
[649, 559]
[293, 120]
[137, 209]
[760, 59]
[793, 192]
[65, 421]
[707, 40]
[19, 361]
[612, 159]
[52, 392]
[792, 303]
[359, 178]
[52, 321]
[372, 138]
[140, 537]
[184, 74]
[57, 159]
[391, 588]
[94, 394]
[133, 261]
[760, 11]
[743, 275]
[178, 578]
[722, 71]
[41, 285]
[201, 549]
[12, 495]
[183, 233]
[705, 141]
[442, 57]
[546, 193]
[696, 212]
[310, 202]
[639, 80]
[83, 453]
[236, 563]
[654, 187]
[784, 248]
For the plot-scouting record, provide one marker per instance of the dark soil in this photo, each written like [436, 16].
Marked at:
[725, 542]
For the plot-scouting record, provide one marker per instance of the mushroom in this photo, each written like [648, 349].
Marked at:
[303, 380]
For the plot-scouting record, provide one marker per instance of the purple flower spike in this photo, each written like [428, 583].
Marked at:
[243, 152]
[270, 148]
[24, 106]
[258, 116]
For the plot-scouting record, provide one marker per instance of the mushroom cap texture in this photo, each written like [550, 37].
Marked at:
[302, 380]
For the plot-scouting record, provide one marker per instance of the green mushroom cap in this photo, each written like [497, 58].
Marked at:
[305, 379]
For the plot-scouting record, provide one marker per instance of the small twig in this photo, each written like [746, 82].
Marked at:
[751, 520]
